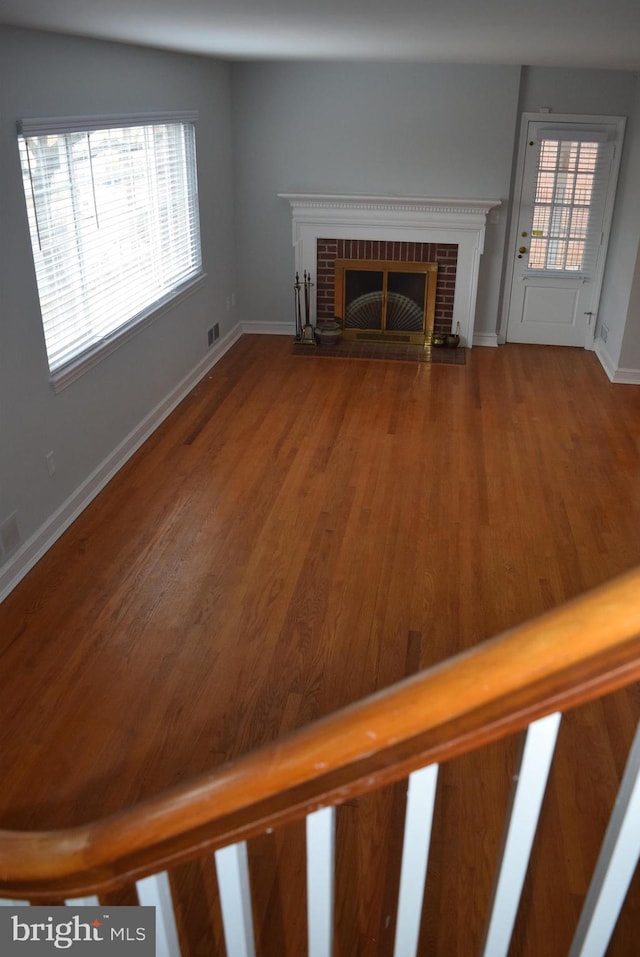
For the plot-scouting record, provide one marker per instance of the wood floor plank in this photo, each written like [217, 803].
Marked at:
[296, 535]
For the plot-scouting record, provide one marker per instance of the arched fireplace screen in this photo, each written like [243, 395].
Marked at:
[383, 299]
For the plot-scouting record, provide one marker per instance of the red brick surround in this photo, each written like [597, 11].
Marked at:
[445, 254]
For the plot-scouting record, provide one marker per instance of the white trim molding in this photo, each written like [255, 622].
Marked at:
[485, 339]
[626, 376]
[420, 219]
[614, 373]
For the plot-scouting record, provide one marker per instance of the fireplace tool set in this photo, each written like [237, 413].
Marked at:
[325, 334]
[304, 333]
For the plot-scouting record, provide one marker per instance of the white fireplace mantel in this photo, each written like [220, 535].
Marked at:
[418, 219]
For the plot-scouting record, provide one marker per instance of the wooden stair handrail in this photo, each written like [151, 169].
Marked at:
[571, 655]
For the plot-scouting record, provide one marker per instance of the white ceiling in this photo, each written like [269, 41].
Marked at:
[572, 33]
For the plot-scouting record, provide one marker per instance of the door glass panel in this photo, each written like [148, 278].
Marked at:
[563, 199]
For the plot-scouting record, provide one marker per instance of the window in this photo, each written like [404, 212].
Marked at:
[113, 217]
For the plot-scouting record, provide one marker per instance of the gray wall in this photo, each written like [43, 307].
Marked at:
[46, 75]
[630, 348]
[620, 305]
[435, 130]
[577, 91]
[395, 129]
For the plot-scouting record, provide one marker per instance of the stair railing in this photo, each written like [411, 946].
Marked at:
[522, 679]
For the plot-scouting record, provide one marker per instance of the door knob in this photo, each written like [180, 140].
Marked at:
[522, 249]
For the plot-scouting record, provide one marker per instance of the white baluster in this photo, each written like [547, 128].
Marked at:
[421, 797]
[616, 864]
[83, 902]
[155, 891]
[522, 821]
[320, 881]
[232, 868]
[5, 902]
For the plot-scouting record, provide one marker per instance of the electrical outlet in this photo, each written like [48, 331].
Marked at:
[50, 459]
[210, 337]
[604, 332]
[216, 331]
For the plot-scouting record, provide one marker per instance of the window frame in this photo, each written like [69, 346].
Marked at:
[94, 353]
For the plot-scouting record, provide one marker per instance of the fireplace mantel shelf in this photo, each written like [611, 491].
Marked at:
[424, 204]
[397, 218]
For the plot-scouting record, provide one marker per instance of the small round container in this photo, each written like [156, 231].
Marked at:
[329, 333]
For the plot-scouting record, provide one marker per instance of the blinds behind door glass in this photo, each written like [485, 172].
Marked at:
[113, 216]
[569, 204]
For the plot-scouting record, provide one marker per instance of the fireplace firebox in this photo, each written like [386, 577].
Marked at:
[383, 299]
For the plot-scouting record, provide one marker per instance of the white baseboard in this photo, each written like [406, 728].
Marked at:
[627, 376]
[269, 328]
[35, 547]
[604, 358]
[615, 373]
[485, 339]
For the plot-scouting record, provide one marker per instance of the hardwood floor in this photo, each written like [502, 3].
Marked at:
[301, 532]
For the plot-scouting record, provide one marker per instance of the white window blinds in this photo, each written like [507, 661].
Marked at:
[573, 173]
[113, 217]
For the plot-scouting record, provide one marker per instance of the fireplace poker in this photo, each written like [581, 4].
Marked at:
[296, 297]
[308, 335]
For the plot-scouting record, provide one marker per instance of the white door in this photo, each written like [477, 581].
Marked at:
[567, 172]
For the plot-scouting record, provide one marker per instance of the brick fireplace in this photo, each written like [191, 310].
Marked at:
[445, 255]
[386, 227]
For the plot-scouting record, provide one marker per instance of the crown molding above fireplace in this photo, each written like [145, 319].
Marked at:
[396, 219]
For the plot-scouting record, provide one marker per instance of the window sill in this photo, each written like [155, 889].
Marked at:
[87, 360]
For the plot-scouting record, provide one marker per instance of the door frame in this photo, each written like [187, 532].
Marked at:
[561, 119]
